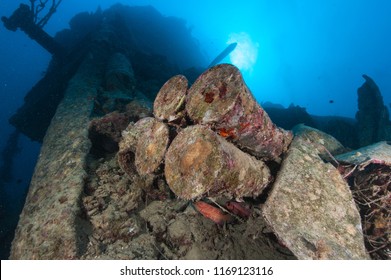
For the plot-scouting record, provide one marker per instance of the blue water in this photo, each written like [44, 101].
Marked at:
[303, 52]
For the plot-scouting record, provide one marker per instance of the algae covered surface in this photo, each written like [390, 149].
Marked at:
[50, 218]
[311, 207]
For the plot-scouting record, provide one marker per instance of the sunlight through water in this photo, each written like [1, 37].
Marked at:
[246, 52]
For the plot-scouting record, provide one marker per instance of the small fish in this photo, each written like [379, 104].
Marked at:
[212, 213]
[239, 209]
[331, 101]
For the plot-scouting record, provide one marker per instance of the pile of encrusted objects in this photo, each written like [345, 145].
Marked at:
[212, 149]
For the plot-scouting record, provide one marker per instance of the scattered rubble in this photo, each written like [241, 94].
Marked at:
[368, 171]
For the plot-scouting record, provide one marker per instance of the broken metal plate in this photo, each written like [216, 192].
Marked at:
[377, 153]
[311, 209]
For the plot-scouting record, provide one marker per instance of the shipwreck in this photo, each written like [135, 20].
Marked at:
[146, 154]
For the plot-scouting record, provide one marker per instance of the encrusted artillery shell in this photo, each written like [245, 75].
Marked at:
[151, 146]
[219, 98]
[143, 146]
[170, 100]
[201, 163]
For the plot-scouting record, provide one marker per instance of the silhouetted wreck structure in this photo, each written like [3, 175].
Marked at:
[157, 46]
[26, 18]
[106, 60]
[373, 118]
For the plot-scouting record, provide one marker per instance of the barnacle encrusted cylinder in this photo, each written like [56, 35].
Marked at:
[151, 147]
[201, 163]
[170, 101]
[143, 146]
[220, 98]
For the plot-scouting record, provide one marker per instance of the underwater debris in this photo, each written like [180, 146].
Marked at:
[189, 235]
[220, 98]
[327, 145]
[150, 153]
[378, 153]
[311, 209]
[127, 147]
[109, 204]
[143, 146]
[199, 162]
[169, 103]
[368, 171]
